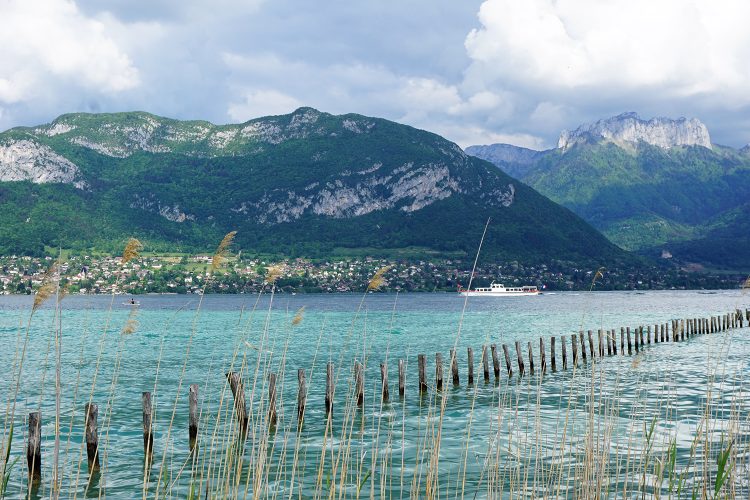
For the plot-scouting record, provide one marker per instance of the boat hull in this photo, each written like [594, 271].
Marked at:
[497, 294]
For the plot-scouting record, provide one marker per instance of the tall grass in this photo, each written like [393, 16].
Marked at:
[611, 427]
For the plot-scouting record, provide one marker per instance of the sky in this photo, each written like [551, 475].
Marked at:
[476, 72]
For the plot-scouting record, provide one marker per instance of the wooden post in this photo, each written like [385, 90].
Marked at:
[485, 364]
[635, 334]
[574, 345]
[34, 447]
[329, 388]
[496, 361]
[271, 400]
[640, 332]
[359, 382]
[630, 347]
[454, 367]
[542, 356]
[552, 353]
[92, 436]
[648, 334]
[401, 378]
[519, 357]
[384, 381]
[591, 345]
[507, 360]
[613, 334]
[583, 346]
[238, 390]
[622, 341]
[564, 352]
[301, 395]
[192, 416]
[531, 359]
[422, 362]
[601, 344]
[148, 427]
[609, 342]
[470, 364]
[439, 370]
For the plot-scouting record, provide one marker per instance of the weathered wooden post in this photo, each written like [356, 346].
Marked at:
[148, 427]
[635, 334]
[238, 390]
[507, 360]
[384, 381]
[542, 356]
[192, 416]
[454, 367]
[485, 364]
[438, 370]
[648, 334]
[613, 335]
[591, 345]
[583, 346]
[495, 361]
[401, 378]
[271, 400]
[531, 359]
[422, 362]
[470, 364]
[630, 347]
[519, 357]
[329, 388]
[359, 382]
[601, 344]
[92, 436]
[640, 333]
[564, 352]
[574, 345]
[552, 353]
[34, 448]
[622, 340]
[301, 395]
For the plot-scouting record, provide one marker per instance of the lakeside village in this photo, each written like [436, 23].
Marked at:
[192, 274]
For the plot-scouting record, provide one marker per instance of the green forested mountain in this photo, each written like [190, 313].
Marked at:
[647, 195]
[303, 184]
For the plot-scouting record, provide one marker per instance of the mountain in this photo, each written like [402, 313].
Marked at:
[303, 184]
[647, 185]
[629, 128]
[513, 160]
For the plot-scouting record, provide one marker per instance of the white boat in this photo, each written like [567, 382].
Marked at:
[498, 290]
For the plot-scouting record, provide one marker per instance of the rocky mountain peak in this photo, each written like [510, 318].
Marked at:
[629, 128]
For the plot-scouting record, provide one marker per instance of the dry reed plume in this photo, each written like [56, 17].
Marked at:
[273, 273]
[377, 279]
[46, 289]
[222, 250]
[132, 250]
[299, 315]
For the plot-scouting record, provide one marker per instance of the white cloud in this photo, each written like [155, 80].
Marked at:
[257, 103]
[676, 47]
[49, 42]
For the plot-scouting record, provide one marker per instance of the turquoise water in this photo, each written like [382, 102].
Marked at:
[526, 434]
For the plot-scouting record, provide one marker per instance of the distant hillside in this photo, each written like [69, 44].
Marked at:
[647, 185]
[304, 184]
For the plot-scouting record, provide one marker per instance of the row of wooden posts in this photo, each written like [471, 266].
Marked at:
[634, 340]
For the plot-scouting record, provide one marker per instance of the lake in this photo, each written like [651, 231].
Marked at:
[613, 426]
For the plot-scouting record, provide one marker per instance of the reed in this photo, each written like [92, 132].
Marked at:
[614, 428]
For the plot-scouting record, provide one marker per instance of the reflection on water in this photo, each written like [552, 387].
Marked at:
[614, 425]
